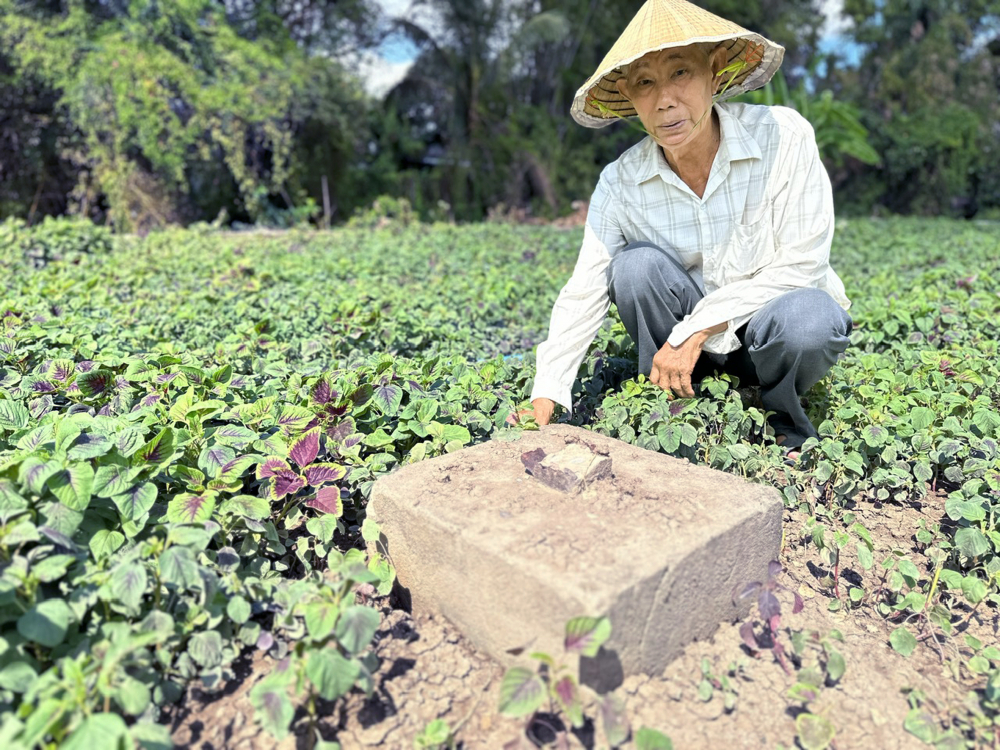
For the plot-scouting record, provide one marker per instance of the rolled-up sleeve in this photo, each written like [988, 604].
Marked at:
[803, 226]
[582, 303]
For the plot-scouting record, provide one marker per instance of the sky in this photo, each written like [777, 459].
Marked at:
[386, 66]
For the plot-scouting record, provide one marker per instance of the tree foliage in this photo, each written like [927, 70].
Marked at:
[169, 109]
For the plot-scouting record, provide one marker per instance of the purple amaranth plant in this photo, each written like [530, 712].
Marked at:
[769, 609]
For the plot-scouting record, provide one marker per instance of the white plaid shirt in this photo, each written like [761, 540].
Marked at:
[763, 227]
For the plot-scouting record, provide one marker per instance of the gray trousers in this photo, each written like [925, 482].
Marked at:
[786, 347]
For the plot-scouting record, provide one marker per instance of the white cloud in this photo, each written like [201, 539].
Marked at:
[377, 75]
[836, 22]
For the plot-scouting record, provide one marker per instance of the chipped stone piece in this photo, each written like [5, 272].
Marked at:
[569, 469]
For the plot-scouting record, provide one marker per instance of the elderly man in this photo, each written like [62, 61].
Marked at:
[712, 235]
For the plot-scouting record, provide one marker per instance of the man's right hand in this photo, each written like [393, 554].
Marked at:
[541, 409]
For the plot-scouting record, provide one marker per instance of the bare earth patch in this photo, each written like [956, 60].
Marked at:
[428, 671]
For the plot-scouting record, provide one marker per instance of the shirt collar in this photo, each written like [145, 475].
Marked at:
[736, 144]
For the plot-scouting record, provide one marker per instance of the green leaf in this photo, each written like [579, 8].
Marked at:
[105, 543]
[521, 693]
[586, 635]
[13, 415]
[248, 506]
[651, 739]
[320, 619]
[73, 485]
[99, 730]
[179, 568]
[331, 674]
[46, 623]
[136, 501]
[206, 648]
[974, 589]
[17, 677]
[971, 542]
[568, 696]
[238, 610]
[113, 479]
[89, 445]
[902, 640]
[356, 628]
[151, 736]
[274, 707]
[921, 417]
[835, 665]
[814, 732]
[921, 725]
[33, 473]
[133, 696]
[370, 530]
[322, 527]
[128, 583]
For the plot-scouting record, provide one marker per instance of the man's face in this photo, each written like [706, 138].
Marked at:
[671, 91]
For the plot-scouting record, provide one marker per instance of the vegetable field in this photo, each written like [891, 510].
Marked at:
[191, 423]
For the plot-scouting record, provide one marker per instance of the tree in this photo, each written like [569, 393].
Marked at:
[928, 89]
[171, 111]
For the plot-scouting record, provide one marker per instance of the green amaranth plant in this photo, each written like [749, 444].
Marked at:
[116, 335]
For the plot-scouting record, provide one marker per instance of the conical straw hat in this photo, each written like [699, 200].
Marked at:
[660, 24]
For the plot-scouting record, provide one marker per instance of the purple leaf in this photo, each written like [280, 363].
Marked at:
[318, 474]
[773, 569]
[774, 624]
[287, 483]
[362, 395]
[768, 604]
[85, 366]
[388, 398]
[271, 467]
[327, 500]
[531, 459]
[676, 407]
[150, 398]
[747, 634]
[94, 383]
[166, 377]
[565, 690]
[43, 386]
[304, 450]
[799, 604]
[61, 370]
[323, 393]
[159, 449]
[190, 508]
[342, 431]
[586, 635]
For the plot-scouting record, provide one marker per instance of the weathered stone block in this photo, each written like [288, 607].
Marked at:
[598, 527]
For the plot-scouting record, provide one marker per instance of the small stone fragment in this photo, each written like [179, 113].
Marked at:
[569, 469]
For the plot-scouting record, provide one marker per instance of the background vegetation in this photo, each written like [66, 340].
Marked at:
[145, 113]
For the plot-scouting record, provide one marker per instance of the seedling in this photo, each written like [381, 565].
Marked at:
[769, 610]
[524, 691]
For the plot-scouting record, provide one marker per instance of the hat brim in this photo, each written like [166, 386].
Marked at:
[598, 102]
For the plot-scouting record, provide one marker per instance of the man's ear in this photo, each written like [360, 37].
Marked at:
[622, 84]
[718, 58]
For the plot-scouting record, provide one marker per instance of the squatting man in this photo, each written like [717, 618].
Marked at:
[712, 235]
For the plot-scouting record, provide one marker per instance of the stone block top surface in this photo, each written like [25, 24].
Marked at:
[594, 509]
